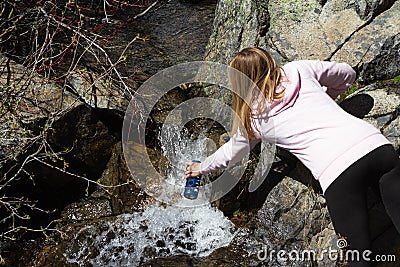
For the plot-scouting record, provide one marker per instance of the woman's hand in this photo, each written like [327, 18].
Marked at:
[192, 169]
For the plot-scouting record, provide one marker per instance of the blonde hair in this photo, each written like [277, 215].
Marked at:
[261, 68]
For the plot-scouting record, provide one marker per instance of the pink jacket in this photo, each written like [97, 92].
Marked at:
[308, 123]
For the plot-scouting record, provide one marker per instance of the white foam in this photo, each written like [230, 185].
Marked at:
[158, 231]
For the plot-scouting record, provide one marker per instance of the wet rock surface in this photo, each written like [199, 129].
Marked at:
[170, 33]
[87, 210]
[126, 197]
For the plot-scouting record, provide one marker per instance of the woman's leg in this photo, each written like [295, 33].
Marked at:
[390, 191]
[387, 164]
[347, 205]
[347, 201]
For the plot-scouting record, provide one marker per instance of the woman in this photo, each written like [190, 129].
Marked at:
[345, 154]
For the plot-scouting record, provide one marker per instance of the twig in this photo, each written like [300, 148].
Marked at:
[145, 11]
[79, 176]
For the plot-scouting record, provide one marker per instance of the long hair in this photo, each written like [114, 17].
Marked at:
[258, 65]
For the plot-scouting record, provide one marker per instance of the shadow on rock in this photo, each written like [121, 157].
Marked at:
[359, 105]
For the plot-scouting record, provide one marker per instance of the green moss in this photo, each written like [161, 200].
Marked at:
[396, 79]
[351, 90]
[357, 86]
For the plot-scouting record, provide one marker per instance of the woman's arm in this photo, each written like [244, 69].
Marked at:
[229, 153]
[336, 77]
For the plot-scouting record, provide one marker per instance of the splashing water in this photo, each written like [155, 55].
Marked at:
[179, 147]
[128, 239]
[156, 232]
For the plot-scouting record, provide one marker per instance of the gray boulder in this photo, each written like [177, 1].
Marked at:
[361, 33]
[378, 104]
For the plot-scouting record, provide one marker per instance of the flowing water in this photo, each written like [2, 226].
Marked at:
[130, 239]
[156, 232]
[175, 32]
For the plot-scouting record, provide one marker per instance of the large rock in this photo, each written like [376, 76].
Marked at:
[374, 48]
[43, 127]
[180, 35]
[85, 138]
[25, 99]
[122, 192]
[236, 25]
[291, 215]
[98, 91]
[378, 104]
[362, 33]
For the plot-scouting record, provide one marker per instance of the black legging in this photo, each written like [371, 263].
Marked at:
[347, 197]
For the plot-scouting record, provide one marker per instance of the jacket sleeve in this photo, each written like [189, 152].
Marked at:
[229, 153]
[336, 77]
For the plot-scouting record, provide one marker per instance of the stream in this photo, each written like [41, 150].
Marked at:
[177, 32]
[129, 239]
[174, 32]
[158, 231]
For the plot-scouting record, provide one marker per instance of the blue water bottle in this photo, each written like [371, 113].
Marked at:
[192, 186]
